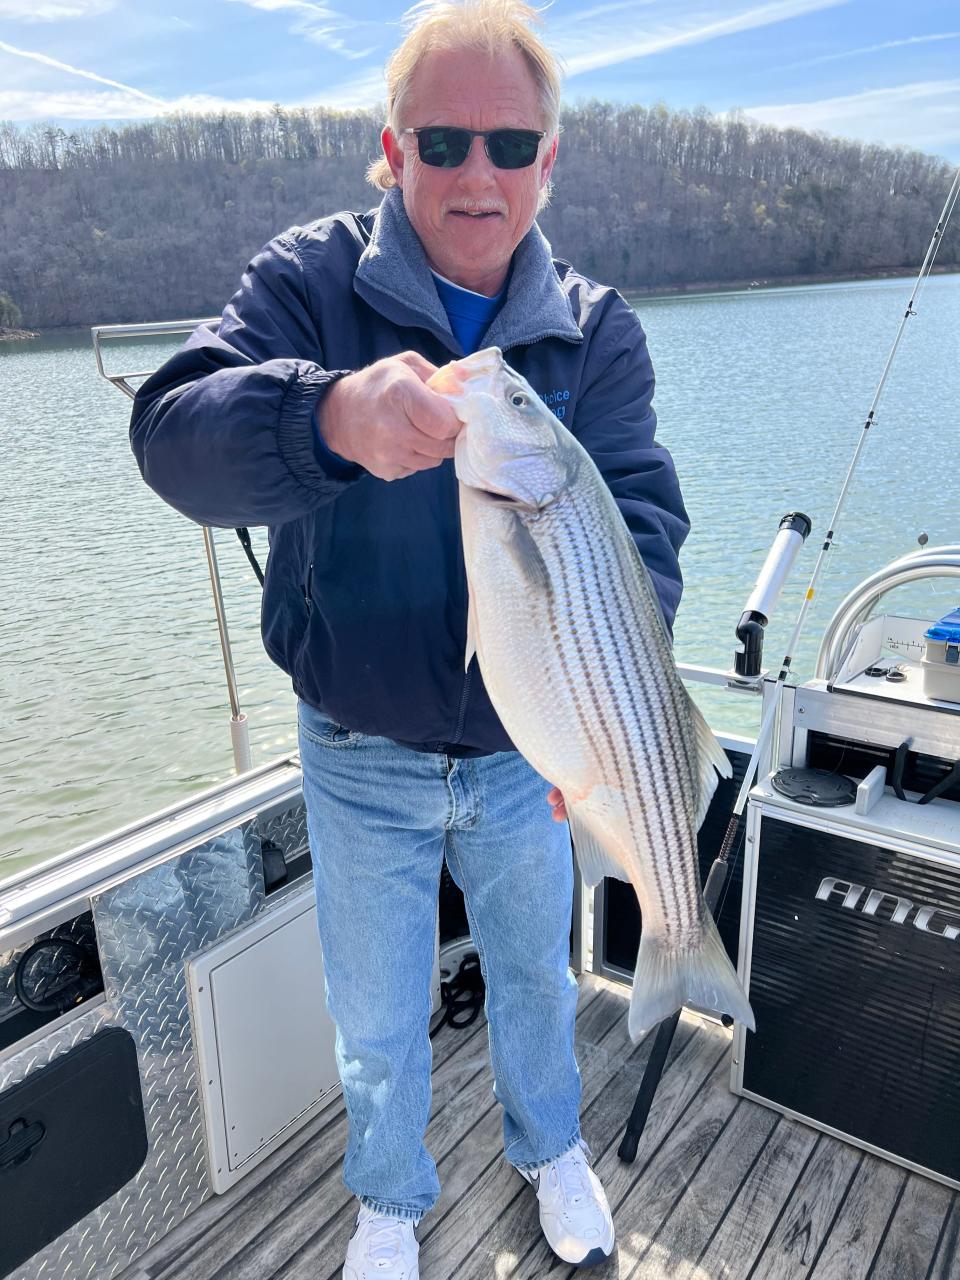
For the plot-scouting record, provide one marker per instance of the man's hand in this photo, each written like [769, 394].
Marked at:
[559, 809]
[385, 418]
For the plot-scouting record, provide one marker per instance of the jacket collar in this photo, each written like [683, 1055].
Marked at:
[394, 277]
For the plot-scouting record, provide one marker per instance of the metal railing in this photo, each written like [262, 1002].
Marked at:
[931, 562]
[239, 728]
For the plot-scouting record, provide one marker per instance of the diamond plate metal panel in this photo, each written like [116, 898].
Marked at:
[147, 927]
[47, 964]
[287, 830]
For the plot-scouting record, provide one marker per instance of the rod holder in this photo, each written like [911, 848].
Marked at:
[791, 535]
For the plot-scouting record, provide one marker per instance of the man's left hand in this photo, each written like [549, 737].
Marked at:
[555, 799]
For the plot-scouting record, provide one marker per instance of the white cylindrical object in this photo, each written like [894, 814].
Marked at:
[776, 569]
[240, 735]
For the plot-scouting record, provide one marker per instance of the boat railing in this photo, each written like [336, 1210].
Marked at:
[239, 728]
[853, 611]
[164, 329]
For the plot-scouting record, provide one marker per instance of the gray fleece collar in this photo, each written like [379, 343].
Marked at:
[393, 275]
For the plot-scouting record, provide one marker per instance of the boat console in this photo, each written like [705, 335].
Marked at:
[850, 929]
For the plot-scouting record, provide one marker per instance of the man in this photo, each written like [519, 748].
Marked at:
[306, 410]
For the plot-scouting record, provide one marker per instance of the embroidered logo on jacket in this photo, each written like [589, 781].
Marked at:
[557, 401]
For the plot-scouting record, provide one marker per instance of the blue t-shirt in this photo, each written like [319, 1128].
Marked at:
[469, 314]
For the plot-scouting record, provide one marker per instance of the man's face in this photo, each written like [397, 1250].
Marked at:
[474, 92]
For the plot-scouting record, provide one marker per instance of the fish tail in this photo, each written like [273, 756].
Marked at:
[666, 979]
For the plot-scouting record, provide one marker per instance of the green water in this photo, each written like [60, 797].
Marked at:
[112, 693]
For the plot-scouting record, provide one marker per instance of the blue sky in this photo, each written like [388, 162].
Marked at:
[871, 69]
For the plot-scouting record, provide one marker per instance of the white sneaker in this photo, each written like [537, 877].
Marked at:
[574, 1213]
[382, 1248]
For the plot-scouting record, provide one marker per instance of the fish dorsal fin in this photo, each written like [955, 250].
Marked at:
[526, 554]
[711, 758]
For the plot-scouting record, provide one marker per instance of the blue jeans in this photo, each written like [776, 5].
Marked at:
[380, 819]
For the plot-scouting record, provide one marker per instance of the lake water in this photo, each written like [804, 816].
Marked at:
[112, 690]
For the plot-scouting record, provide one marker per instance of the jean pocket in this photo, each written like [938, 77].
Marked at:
[324, 732]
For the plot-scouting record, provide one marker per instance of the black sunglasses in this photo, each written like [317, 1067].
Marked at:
[446, 147]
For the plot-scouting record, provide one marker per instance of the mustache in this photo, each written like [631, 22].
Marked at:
[473, 206]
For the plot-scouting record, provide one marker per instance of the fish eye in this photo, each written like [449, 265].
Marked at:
[519, 400]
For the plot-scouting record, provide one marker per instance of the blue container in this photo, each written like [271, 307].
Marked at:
[941, 659]
[947, 630]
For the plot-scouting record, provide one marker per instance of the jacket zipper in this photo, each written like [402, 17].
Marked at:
[463, 707]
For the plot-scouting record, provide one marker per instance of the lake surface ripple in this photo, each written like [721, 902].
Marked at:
[111, 681]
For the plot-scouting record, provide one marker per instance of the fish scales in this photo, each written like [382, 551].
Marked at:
[635, 746]
[642, 726]
[578, 664]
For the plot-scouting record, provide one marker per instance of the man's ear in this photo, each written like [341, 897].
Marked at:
[393, 151]
[547, 162]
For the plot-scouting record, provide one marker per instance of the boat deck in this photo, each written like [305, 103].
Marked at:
[722, 1189]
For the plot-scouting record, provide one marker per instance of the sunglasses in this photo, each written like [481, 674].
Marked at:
[446, 147]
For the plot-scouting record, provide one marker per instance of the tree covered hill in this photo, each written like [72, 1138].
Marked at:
[156, 221]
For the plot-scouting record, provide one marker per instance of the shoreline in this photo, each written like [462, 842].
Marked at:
[740, 285]
[18, 335]
[691, 288]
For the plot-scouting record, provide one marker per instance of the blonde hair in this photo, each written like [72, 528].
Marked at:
[486, 26]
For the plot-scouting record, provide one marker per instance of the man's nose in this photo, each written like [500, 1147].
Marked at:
[478, 167]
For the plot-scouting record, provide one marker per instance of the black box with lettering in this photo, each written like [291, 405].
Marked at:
[854, 972]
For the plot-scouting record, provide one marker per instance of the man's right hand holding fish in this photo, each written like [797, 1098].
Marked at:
[384, 418]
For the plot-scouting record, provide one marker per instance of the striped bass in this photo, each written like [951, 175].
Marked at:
[577, 661]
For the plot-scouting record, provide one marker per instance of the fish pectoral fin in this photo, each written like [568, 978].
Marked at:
[712, 760]
[526, 554]
[595, 862]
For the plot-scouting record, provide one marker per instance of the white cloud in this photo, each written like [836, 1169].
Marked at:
[28, 105]
[586, 43]
[925, 115]
[24, 105]
[52, 10]
[317, 23]
[46, 61]
[873, 48]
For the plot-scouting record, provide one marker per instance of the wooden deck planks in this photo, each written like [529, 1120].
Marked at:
[722, 1188]
[474, 1196]
[266, 1216]
[946, 1261]
[808, 1215]
[512, 1230]
[913, 1231]
[695, 1056]
[752, 1215]
[857, 1230]
[702, 1206]
[312, 1242]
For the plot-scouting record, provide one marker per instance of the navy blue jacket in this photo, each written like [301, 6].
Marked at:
[365, 599]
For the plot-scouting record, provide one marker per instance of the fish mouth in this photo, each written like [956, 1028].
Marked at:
[455, 379]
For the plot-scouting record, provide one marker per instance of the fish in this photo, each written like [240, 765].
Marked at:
[577, 660]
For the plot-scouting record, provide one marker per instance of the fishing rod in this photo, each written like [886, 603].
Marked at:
[718, 872]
